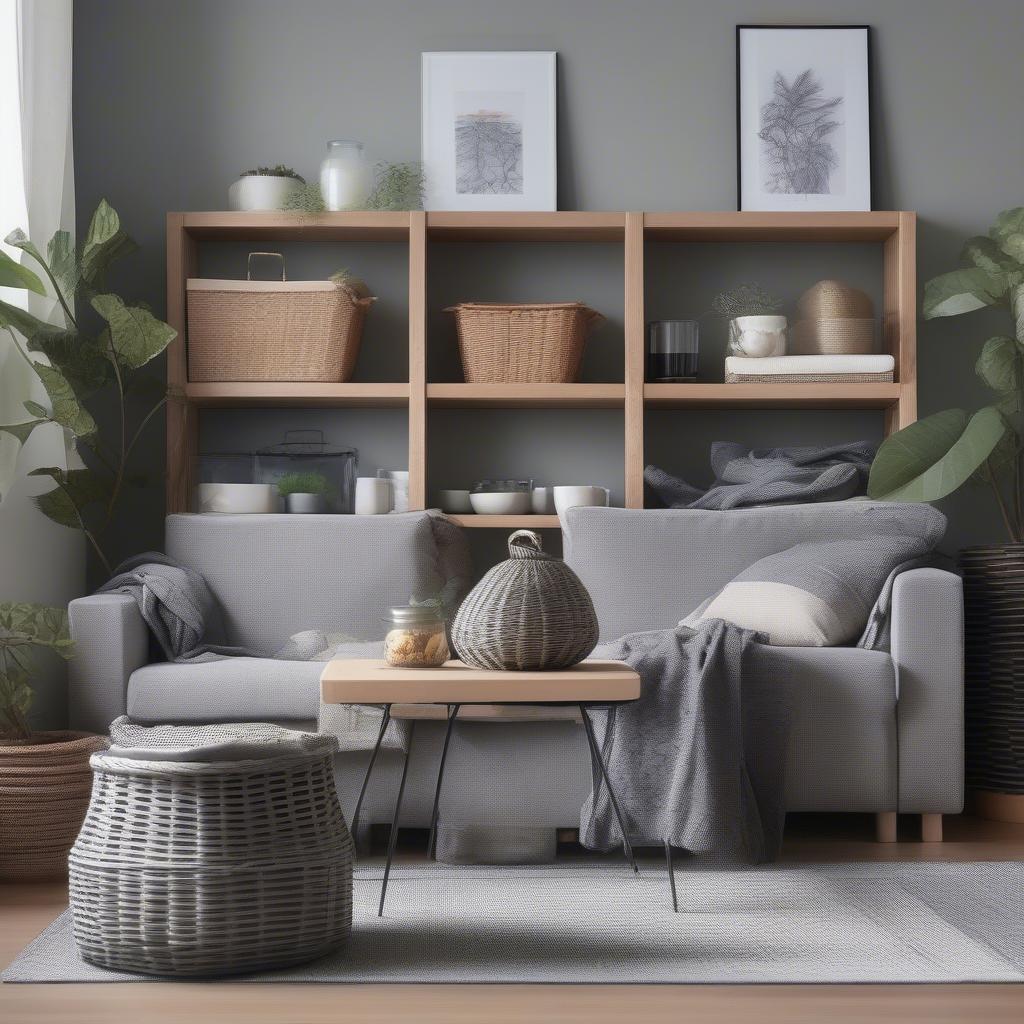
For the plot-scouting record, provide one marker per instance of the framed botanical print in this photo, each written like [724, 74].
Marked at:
[489, 131]
[803, 116]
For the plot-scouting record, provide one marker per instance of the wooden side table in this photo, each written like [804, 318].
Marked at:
[591, 684]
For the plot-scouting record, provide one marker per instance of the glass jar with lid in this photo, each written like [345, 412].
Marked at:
[345, 176]
[416, 637]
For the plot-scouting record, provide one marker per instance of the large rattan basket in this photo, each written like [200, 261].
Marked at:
[274, 330]
[529, 613]
[510, 343]
[206, 868]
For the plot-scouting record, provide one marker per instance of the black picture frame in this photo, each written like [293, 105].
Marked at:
[869, 99]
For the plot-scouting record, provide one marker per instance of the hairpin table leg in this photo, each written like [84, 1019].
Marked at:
[394, 820]
[432, 842]
[369, 768]
[595, 753]
[671, 876]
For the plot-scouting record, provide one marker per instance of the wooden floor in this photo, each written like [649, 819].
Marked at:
[26, 909]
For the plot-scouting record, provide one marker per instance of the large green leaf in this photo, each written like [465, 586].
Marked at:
[137, 335]
[14, 275]
[104, 243]
[1008, 231]
[961, 291]
[999, 364]
[67, 409]
[21, 431]
[934, 456]
[25, 323]
[60, 253]
[81, 360]
[985, 254]
[75, 490]
[39, 624]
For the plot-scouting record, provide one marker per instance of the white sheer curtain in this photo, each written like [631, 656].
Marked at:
[39, 561]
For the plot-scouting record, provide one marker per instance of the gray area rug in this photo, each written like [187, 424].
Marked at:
[580, 922]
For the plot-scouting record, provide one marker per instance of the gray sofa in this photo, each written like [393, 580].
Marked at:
[874, 732]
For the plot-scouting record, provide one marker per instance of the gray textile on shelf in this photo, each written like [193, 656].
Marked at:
[698, 759]
[770, 476]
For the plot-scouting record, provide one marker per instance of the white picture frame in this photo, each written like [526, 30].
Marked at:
[489, 130]
[818, 79]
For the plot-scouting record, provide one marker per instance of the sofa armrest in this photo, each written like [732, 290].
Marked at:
[928, 653]
[111, 642]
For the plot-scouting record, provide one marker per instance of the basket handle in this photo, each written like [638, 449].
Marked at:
[277, 255]
[524, 539]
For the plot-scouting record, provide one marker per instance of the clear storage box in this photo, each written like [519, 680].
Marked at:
[309, 474]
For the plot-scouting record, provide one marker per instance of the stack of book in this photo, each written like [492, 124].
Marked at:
[820, 369]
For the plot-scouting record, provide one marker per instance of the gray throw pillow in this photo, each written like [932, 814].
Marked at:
[817, 594]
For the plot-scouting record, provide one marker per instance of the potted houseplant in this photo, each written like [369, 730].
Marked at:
[941, 453]
[304, 493]
[102, 345]
[264, 188]
[44, 776]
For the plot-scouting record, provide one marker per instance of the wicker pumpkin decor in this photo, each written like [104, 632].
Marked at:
[531, 612]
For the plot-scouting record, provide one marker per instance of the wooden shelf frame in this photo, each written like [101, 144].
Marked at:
[894, 230]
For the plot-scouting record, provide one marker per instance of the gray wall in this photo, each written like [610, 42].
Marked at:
[174, 97]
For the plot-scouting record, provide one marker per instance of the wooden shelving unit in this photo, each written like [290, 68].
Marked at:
[895, 231]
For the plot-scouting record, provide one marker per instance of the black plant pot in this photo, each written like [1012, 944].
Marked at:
[994, 678]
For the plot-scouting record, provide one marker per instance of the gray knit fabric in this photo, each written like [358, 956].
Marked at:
[698, 760]
[774, 476]
[234, 742]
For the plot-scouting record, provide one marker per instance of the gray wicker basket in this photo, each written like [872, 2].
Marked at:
[530, 612]
[188, 868]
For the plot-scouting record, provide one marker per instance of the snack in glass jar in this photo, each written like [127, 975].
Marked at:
[416, 637]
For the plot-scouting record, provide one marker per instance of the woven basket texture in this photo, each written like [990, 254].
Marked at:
[274, 330]
[189, 868]
[531, 612]
[833, 337]
[834, 300]
[44, 793]
[504, 343]
[809, 378]
[994, 667]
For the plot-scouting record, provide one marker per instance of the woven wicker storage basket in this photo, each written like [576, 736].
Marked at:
[833, 318]
[502, 343]
[530, 612]
[274, 330]
[44, 793]
[188, 868]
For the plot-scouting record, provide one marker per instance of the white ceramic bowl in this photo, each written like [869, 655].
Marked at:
[501, 503]
[454, 501]
[239, 499]
[575, 496]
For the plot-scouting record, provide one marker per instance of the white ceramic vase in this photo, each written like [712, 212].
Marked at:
[261, 192]
[757, 337]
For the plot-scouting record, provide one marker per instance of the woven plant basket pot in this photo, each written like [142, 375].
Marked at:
[504, 343]
[188, 869]
[274, 330]
[44, 793]
[994, 668]
[530, 612]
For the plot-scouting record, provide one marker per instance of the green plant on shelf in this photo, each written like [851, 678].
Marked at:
[303, 483]
[397, 187]
[307, 198]
[940, 453]
[280, 171]
[745, 300]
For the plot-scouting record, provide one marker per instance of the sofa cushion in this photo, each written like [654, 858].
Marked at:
[279, 575]
[647, 569]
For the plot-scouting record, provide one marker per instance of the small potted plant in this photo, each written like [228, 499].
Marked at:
[45, 779]
[304, 493]
[264, 188]
[755, 328]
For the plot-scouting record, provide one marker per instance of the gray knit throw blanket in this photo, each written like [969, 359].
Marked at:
[770, 476]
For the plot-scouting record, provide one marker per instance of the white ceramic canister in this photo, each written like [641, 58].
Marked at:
[576, 495]
[373, 496]
[757, 337]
